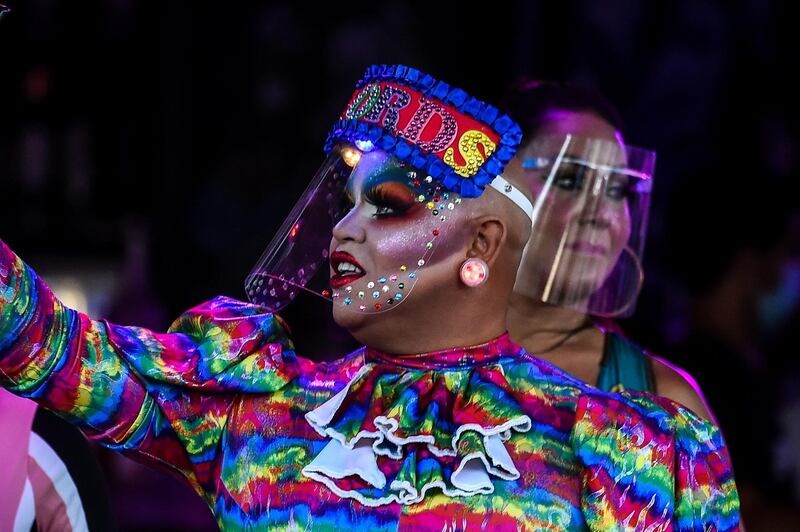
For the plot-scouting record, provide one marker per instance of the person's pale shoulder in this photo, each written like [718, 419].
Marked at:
[678, 385]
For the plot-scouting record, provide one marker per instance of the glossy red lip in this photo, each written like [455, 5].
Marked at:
[338, 280]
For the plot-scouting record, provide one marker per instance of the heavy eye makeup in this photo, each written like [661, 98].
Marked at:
[390, 199]
[386, 193]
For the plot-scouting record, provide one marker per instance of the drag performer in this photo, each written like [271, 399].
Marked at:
[440, 422]
[581, 268]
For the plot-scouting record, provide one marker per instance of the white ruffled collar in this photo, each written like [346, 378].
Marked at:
[397, 431]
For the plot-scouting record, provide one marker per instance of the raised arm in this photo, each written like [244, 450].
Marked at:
[163, 397]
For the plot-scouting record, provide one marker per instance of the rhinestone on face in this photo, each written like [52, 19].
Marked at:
[420, 262]
[348, 300]
[403, 268]
[370, 285]
[385, 289]
[401, 286]
[382, 280]
[361, 294]
[376, 294]
[362, 307]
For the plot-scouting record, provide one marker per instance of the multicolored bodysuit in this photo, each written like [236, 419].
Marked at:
[485, 437]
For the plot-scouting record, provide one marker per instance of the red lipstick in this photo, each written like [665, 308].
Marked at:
[346, 269]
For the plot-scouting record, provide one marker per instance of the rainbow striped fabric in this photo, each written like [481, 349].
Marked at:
[482, 437]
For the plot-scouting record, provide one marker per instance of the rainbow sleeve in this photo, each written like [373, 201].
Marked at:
[652, 465]
[164, 398]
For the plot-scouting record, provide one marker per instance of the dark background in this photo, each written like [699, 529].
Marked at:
[149, 150]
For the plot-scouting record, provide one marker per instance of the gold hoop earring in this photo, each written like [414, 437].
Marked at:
[640, 281]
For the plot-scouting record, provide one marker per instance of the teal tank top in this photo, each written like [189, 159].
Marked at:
[625, 366]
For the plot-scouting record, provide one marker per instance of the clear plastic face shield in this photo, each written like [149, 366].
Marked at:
[591, 199]
[361, 235]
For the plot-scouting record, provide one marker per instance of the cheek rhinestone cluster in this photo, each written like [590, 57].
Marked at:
[388, 290]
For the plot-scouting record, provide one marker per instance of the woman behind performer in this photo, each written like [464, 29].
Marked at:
[581, 268]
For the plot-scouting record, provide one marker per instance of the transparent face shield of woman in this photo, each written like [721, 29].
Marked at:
[591, 200]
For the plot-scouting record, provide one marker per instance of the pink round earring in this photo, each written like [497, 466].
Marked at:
[474, 272]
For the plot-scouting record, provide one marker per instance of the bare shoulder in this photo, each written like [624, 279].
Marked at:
[675, 383]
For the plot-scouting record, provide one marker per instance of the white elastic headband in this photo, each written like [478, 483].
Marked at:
[500, 184]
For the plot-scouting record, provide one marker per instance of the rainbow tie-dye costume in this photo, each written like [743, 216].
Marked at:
[484, 437]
